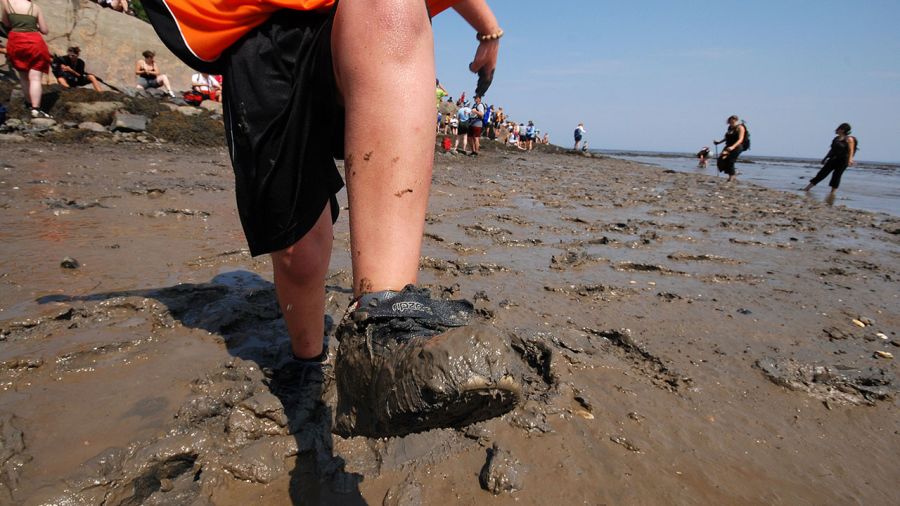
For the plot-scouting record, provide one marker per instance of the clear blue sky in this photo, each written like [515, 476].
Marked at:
[665, 74]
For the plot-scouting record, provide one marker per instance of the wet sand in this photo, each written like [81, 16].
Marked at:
[683, 341]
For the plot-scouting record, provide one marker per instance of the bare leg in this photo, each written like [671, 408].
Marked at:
[94, 82]
[26, 88]
[62, 82]
[35, 88]
[164, 81]
[385, 49]
[300, 272]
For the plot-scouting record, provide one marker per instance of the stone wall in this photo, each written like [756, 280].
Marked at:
[111, 42]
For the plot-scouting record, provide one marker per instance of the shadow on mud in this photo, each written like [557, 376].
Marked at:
[242, 308]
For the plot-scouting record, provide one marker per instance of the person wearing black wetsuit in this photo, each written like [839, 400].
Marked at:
[734, 146]
[839, 157]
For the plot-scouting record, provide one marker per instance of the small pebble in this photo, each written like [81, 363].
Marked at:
[69, 263]
[884, 354]
[882, 335]
[858, 323]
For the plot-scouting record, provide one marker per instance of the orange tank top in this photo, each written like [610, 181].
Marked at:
[208, 27]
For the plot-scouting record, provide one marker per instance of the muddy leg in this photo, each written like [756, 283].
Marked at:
[300, 272]
[385, 49]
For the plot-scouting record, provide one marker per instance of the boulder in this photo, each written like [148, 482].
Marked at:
[43, 123]
[212, 106]
[125, 122]
[14, 124]
[111, 42]
[93, 127]
[188, 110]
[95, 112]
[11, 138]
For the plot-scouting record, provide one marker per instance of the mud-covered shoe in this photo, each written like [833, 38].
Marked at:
[409, 363]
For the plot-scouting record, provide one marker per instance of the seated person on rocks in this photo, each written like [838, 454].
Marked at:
[149, 75]
[69, 71]
[206, 85]
[305, 85]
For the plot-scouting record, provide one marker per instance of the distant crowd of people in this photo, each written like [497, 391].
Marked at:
[465, 124]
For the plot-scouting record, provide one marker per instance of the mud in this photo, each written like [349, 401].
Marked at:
[157, 372]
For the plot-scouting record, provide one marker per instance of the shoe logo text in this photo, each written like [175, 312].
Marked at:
[405, 307]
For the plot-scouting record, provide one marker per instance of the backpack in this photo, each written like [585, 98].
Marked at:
[192, 97]
[746, 144]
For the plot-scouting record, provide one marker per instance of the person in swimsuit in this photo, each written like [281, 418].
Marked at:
[306, 81]
[734, 146]
[26, 50]
[149, 75]
[839, 157]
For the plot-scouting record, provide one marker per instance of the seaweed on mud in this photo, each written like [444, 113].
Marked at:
[199, 130]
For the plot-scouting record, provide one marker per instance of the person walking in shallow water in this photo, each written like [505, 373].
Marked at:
[703, 156]
[839, 157]
[735, 143]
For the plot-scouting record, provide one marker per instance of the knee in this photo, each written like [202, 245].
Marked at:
[300, 261]
[400, 23]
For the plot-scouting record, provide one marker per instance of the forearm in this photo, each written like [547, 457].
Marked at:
[478, 15]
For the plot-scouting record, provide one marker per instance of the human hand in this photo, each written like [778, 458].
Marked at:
[484, 64]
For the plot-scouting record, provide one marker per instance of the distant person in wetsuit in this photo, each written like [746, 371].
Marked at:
[703, 155]
[734, 141]
[839, 157]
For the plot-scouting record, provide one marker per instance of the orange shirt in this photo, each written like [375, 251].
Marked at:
[208, 27]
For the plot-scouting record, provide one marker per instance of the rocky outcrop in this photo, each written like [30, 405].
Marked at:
[110, 42]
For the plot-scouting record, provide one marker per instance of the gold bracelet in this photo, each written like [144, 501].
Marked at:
[490, 36]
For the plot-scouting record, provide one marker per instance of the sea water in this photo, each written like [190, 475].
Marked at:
[869, 186]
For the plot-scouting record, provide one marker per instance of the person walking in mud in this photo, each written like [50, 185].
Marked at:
[736, 142]
[26, 50]
[580, 133]
[476, 124]
[330, 70]
[839, 157]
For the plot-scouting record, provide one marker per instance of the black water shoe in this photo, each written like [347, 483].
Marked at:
[408, 363]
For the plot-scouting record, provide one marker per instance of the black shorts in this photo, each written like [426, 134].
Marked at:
[726, 164]
[72, 80]
[284, 127]
[463, 129]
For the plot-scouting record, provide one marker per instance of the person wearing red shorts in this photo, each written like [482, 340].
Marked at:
[300, 76]
[26, 50]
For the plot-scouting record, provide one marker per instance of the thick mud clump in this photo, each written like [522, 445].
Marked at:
[408, 366]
